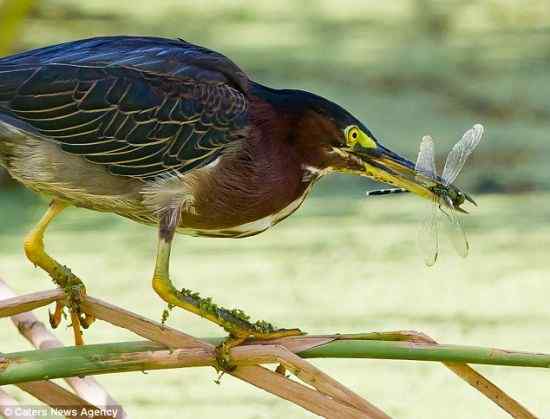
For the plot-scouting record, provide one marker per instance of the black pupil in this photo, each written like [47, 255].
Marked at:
[354, 135]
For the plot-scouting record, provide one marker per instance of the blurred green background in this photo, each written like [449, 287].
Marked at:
[342, 263]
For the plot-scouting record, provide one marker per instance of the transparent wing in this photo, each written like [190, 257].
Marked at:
[428, 237]
[460, 153]
[425, 162]
[456, 232]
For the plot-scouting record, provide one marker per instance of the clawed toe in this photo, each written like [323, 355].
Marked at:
[57, 315]
[74, 293]
[224, 362]
[223, 354]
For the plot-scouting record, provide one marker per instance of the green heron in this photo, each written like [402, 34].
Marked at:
[172, 134]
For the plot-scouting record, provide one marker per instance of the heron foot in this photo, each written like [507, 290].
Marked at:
[236, 322]
[62, 276]
[75, 291]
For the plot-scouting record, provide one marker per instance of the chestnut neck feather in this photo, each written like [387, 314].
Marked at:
[260, 178]
[299, 119]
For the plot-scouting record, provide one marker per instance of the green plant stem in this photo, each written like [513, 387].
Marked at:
[144, 355]
[425, 352]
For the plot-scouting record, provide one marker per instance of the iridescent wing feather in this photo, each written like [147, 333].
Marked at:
[143, 107]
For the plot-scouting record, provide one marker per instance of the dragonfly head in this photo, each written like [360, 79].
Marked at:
[452, 197]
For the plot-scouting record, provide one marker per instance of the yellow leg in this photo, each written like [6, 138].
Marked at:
[61, 275]
[34, 246]
[235, 321]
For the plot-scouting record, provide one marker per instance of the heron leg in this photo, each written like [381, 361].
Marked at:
[236, 322]
[61, 275]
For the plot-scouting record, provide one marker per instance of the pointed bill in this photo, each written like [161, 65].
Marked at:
[460, 153]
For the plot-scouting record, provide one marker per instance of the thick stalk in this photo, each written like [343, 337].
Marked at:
[143, 355]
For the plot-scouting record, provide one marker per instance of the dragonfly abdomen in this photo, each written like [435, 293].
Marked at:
[386, 191]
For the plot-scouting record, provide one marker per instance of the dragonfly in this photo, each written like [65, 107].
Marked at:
[447, 198]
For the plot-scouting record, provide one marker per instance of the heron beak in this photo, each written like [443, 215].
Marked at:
[383, 165]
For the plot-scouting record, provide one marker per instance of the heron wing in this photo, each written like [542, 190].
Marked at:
[143, 107]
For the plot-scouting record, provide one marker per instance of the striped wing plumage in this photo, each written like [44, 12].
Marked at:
[143, 107]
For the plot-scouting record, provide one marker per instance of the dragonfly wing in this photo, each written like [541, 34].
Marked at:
[460, 153]
[428, 237]
[457, 233]
[425, 162]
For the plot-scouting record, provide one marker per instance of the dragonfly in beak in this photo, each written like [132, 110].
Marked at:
[447, 198]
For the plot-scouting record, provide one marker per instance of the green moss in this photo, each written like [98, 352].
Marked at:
[232, 320]
[166, 314]
[239, 314]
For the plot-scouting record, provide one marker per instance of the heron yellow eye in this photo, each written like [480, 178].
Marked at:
[352, 136]
[355, 135]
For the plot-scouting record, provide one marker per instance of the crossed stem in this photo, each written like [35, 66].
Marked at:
[327, 397]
